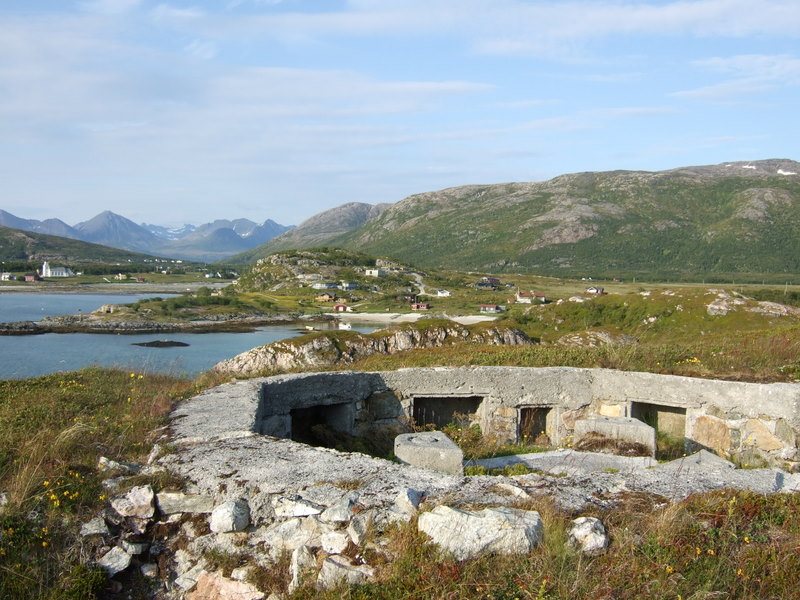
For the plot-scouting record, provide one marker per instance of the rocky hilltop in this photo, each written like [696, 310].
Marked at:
[343, 348]
[741, 217]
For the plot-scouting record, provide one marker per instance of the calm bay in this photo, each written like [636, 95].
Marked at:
[33, 355]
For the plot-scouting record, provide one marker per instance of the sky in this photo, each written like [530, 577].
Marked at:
[189, 111]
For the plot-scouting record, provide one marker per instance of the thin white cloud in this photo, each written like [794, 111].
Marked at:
[166, 14]
[752, 74]
[202, 49]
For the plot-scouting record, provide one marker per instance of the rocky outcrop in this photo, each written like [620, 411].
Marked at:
[329, 349]
[98, 324]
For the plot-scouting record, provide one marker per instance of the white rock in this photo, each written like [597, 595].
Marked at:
[335, 542]
[154, 454]
[407, 501]
[295, 507]
[303, 561]
[134, 548]
[188, 580]
[240, 573]
[96, 526]
[149, 570]
[233, 515]
[589, 535]
[215, 586]
[115, 561]
[467, 534]
[341, 511]
[105, 465]
[337, 570]
[359, 527]
[177, 502]
[137, 503]
[290, 535]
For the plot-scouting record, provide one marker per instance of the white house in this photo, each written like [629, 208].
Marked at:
[48, 271]
[443, 293]
[375, 273]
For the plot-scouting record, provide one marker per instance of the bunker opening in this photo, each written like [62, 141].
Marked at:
[533, 427]
[669, 423]
[443, 410]
[315, 425]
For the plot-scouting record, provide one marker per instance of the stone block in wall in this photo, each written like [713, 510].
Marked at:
[569, 417]
[711, 432]
[785, 433]
[506, 412]
[611, 410]
[756, 434]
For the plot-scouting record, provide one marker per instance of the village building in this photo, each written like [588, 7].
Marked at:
[491, 308]
[375, 273]
[324, 285]
[420, 306]
[49, 271]
[443, 293]
[326, 297]
[342, 308]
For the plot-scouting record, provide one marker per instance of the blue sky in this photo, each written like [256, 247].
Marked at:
[188, 111]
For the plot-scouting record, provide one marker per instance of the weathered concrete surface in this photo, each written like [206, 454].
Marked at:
[430, 450]
[618, 428]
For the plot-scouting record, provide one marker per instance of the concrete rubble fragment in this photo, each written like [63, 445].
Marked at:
[466, 534]
[429, 450]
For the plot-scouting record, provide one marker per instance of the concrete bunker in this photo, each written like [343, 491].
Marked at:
[306, 421]
[516, 404]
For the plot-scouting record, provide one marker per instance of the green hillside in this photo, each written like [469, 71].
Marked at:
[24, 246]
[723, 220]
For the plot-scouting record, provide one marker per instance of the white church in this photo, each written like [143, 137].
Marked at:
[48, 271]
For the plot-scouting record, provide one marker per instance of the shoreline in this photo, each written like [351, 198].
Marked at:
[107, 288]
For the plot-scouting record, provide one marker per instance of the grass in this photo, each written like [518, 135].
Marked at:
[53, 429]
[716, 545]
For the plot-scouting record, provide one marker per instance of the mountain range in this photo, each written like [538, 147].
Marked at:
[727, 219]
[209, 242]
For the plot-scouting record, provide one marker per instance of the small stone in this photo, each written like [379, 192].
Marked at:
[115, 561]
[137, 503]
[177, 502]
[240, 573]
[302, 562]
[215, 586]
[339, 569]
[233, 515]
[335, 542]
[106, 465]
[154, 454]
[407, 501]
[359, 527]
[134, 547]
[341, 512]
[96, 526]
[589, 535]
[149, 570]
[295, 507]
